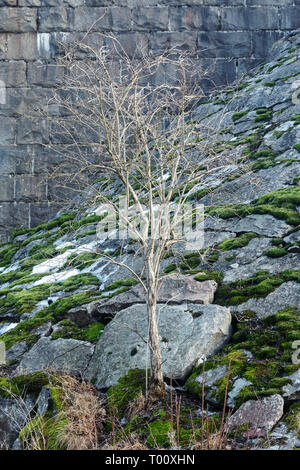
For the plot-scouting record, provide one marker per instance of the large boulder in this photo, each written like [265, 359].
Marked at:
[188, 332]
[174, 289]
[68, 355]
[259, 416]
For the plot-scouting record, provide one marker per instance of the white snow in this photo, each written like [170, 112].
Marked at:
[57, 277]
[56, 263]
[7, 327]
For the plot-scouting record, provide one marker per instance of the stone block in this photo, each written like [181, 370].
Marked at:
[43, 75]
[8, 3]
[55, 19]
[30, 3]
[30, 188]
[220, 72]
[102, 19]
[189, 18]
[6, 188]
[134, 44]
[7, 130]
[3, 46]
[15, 102]
[39, 212]
[277, 3]
[263, 41]
[151, 19]
[22, 46]
[260, 18]
[13, 215]
[221, 2]
[224, 44]
[32, 131]
[159, 42]
[15, 159]
[290, 17]
[18, 20]
[13, 74]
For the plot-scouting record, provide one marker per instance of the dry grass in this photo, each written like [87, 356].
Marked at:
[84, 413]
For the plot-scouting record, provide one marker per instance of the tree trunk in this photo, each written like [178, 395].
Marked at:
[154, 341]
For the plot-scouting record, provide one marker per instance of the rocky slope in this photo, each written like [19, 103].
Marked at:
[236, 302]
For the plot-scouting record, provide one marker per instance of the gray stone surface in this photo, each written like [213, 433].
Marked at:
[61, 354]
[174, 289]
[260, 415]
[264, 263]
[286, 295]
[262, 225]
[14, 414]
[292, 391]
[182, 347]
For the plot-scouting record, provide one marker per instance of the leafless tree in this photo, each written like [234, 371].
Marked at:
[128, 124]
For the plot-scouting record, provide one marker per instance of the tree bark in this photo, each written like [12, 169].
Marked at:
[154, 340]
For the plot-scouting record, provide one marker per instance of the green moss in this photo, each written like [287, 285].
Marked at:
[207, 275]
[21, 385]
[170, 268]
[54, 313]
[237, 242]
[276, 252]
[7, 253]
[128, 388]
[190, 261]
[121, 283]
[269, 84]
[263, 114]
[68, 329]
[281, 204]
[297, 147]
[239, 115]
[259, 285]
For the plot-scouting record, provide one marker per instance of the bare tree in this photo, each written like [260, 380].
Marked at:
[128, 124]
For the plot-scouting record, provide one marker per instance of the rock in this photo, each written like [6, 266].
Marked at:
[259, 415]
[174, 289]
[238, 385]
[282, 438]
[183, 345]
[214, 238]
[16, 352]
[247, 188]
[68, 355]
[14, 414]
[43, 401]
[262, 225]
[293, 237]
[292, 391]
[286, 295]
[264, 263]
[255, 248]
[212, 377]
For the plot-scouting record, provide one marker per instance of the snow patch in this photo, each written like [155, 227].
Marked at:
[7, 327]
[57, 277]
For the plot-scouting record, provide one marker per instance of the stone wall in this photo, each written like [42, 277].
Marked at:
[236, 34]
